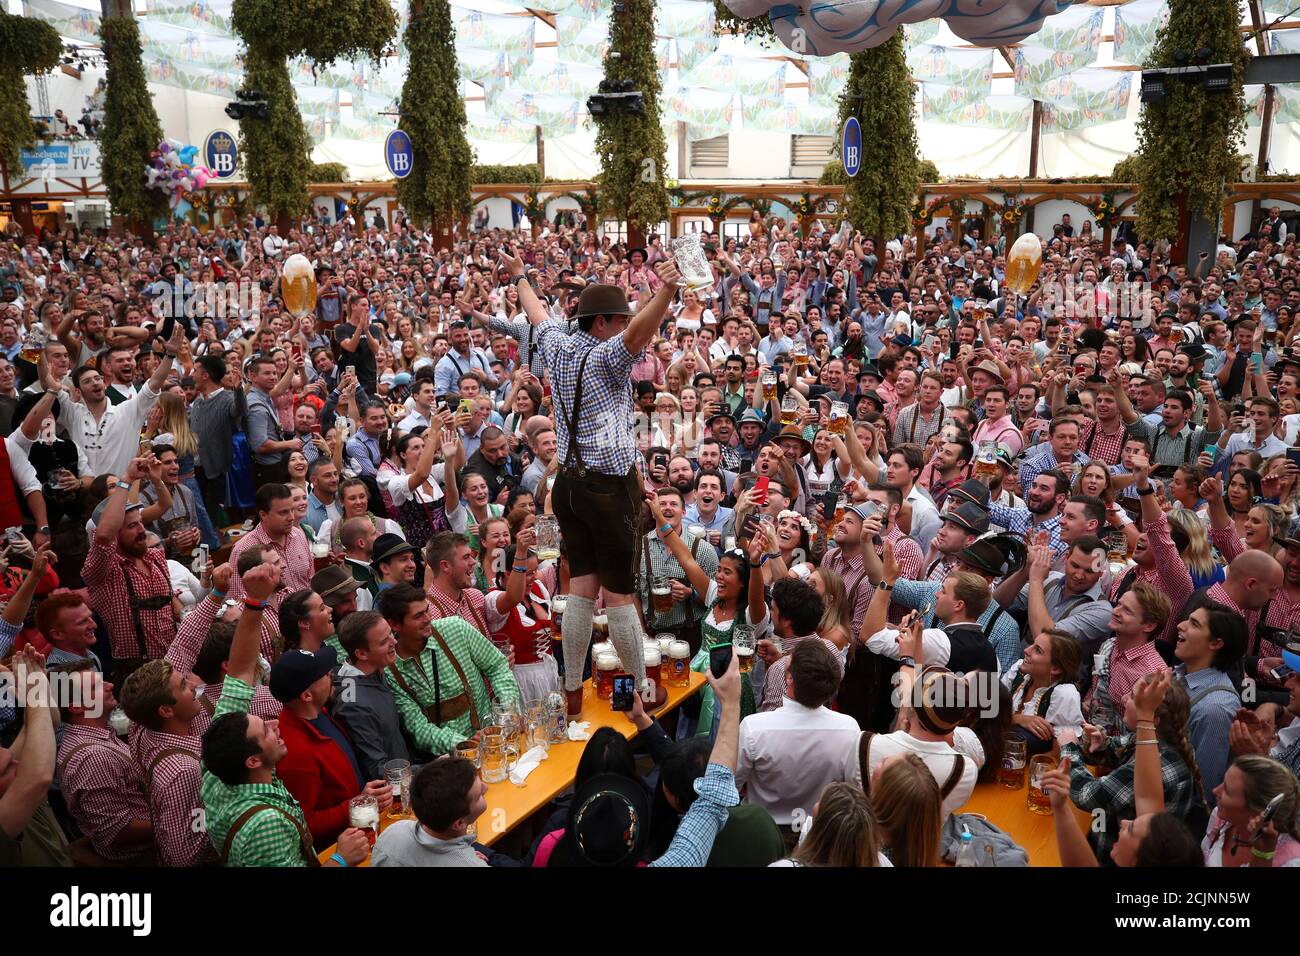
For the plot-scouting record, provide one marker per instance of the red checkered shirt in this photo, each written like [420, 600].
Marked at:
[470, 605]
[262, 705]
[295, 551]
[1099, 446]
[102, 785]
[105, 573]
[774, 683]
[1167, 573]
[1126, 669]
[173, 788]
[196, 623]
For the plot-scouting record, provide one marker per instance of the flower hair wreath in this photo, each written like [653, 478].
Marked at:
[803, 520]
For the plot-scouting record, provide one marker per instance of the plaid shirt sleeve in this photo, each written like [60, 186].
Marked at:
[1005, 638]
[236, 695]
[175, 795]
[1227, 542]
[268, 838]
[192, 632]
[704, 820]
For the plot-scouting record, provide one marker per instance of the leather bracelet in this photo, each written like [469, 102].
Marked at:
[338, 858]
[1149, 491]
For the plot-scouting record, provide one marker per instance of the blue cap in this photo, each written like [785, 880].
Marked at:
[402, 378]
[298, 669]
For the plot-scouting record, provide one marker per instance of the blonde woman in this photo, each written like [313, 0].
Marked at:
[1196, 554]
[174, 424]
[837, 618]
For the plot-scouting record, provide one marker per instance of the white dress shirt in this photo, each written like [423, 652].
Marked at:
[934, 643]
[788, 756]
[925, 518]
[114, 440]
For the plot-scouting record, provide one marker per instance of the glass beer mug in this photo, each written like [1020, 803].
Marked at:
[363, 813]
[799, 351]
[789, 409]
[744, 642]
[498, 757]
[607, 666]
[548, 538]
[398, 774]
[839, 423]
[298, 286]
[679, 660]
[986, 460]
[769, 385]
[1024, 261]
[661, 591]
[692, 263]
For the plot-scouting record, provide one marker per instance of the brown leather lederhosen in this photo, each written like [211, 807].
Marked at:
[441, 711]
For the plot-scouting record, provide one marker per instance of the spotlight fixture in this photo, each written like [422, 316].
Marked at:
[249, 104]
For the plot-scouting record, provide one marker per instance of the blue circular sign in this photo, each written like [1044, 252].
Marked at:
[220, 153]
[851, 146]
[399, 155]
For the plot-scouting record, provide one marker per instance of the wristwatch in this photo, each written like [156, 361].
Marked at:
[907, 662]
[43, 529]
[882, 586]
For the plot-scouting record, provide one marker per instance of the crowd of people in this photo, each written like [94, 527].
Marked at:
[252, 556]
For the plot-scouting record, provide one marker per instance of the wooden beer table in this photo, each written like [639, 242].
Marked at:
[1009, 811]
[509, 805]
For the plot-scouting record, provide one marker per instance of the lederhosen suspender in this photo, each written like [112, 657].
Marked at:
[137, 605]
[304, 835]
[911, 432]
[864, 767]
[573, 454]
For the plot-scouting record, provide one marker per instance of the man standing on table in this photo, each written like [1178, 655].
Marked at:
[597, 496]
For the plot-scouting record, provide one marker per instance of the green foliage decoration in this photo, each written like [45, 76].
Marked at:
[27, 45]
[486, 175]
[878, 200]
[327, 173]
[1188, 144]
[131, 129]
[433, 115]
[275, 151]
[632, 149]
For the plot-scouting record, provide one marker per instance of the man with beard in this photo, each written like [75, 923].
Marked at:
[962, 524]
[118, 366]
[87, 341]
[129, 584]
[682, 477]
[338, 589]
[658, 563]
[752, 432]
[1042, 512]
[713, 457]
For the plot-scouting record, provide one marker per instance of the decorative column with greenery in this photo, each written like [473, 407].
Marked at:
[131, 129]
[275, 150]
[1188, 144]
[632, 149]
[30, 46]
[879, 92]
[433, 115]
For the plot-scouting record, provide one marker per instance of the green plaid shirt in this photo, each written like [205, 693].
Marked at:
[477, 657]
[267, 838]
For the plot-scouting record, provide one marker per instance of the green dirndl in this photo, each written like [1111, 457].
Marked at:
[712, 637]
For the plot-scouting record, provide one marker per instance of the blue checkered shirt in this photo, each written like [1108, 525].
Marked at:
[605, 418]
[1034, 467]
[693, 841]
[1020, 520]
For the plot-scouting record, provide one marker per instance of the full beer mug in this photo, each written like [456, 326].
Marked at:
[744, 642]
[661, 590]
[548, 538]
[298, 286]
[768, 379]
[398, 774]
[607, 665]
[789, 409]
[679, 662]
[839, 423]
[692, 263]
[1024, 262]
[363, 813]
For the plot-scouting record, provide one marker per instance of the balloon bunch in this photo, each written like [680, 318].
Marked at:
[171, 169]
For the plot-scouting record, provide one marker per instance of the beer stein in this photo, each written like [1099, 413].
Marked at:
[692, 263]
[839, 421]
[679, 657]
[1012, 772]
[298, 286]
[558, 716]
[661, 592]
[363, 813]
[1024, 261]
[789, 409]
[548, 538]
[498, 757]
[1038, 800]
[744, 642]
[607, 665]
[768, 380]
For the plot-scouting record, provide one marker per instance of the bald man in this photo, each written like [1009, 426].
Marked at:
[1253, 578]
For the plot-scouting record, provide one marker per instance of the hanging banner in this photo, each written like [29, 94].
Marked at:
[490, 128]
[556, 115]
[1075, 28]
[1036, 65]
[917, 33]
[1136, 25]
[1059, 120]
[1100, 92]
[969, 68]
[691, 53]
[781, 116]
[197, 79]
[722, 71]
[489, 31]
[702, 109]
[75, 23]
[827, 75]
[944, 97]
[1283, 41]
[475, 64]
[581, 9]
[1010, 113]
[161, 40]
[206, 16]
[1286, 103]
[557, 77]
[683, 18]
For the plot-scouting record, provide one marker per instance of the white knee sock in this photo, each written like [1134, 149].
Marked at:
[625, 632]
[576, 638]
